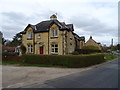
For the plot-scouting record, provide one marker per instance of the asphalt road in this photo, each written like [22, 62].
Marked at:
[101, 76]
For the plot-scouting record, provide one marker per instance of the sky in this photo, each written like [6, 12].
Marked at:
[96, 18]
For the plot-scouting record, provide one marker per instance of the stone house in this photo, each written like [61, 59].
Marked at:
[92, 42]
[51, 37]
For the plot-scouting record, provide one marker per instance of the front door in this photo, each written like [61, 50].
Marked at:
[41, 50]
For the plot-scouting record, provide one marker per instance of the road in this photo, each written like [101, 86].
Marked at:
[100, 76]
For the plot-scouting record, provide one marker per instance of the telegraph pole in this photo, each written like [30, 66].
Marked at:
[112, 42]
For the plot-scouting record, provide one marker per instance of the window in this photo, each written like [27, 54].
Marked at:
[70, 38]
[30, 49]
[30, 35]
[54, 33]
[38, 35]
[54, 48]
[70, 43]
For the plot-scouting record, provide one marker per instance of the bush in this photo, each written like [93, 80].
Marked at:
[12, 58]
[9, 54]
[66, 60]
[91, 47]
[75, 53]
[23, 48]
[87, 51]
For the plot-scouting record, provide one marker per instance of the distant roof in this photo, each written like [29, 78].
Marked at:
[93, 40]
[44, 26]
[8, 48]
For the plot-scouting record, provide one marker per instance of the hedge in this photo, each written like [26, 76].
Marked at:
[87, 51]
[64, 60]
[9, 54]
[12, 58]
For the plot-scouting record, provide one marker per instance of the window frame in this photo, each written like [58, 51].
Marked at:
[30, 48]
[54, 33]
[30, 35]
[38, 36]
[54, 48]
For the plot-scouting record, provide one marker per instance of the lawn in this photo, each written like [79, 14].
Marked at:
[108, 57]
[9, 63]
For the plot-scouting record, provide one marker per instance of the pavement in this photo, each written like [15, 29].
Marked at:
[99, 76]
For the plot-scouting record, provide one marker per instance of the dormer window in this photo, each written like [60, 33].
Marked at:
[54, 33]
[38, 35]
[30, 35]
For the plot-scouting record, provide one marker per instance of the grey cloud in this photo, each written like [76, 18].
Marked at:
[93, 26]
[14, 18]
[15, 22]
[83, 21]
[46, 15]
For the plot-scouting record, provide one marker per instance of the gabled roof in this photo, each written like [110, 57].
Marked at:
[91, 39]
[44, 26]
[82, 38]
[70, 26]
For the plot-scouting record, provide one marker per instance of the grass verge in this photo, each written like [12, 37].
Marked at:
[108, 57]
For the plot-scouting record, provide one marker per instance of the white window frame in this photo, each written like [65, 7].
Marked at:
[38, 36]
[30, 35]
[54, 33]
[30, 48]
[53, 48]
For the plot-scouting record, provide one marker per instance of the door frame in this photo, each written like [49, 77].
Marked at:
[42, 49]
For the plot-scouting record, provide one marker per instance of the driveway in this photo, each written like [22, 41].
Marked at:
[19, 76]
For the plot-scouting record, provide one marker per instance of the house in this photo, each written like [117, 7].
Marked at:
[93, 43]
[51, 37]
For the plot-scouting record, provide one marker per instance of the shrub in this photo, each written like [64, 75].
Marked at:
[75, 53]
[9, 54]
[23, 48]
[87, 51]
[91, 47]
[12, 58]
[66, 60]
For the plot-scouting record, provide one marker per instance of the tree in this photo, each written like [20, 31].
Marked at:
[17, 40]
[23, 48]
[118, 46]
[3, 41]
[105, 48]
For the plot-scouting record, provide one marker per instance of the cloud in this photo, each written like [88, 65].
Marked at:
[15, 22]
[93, 26]
[98, 19]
